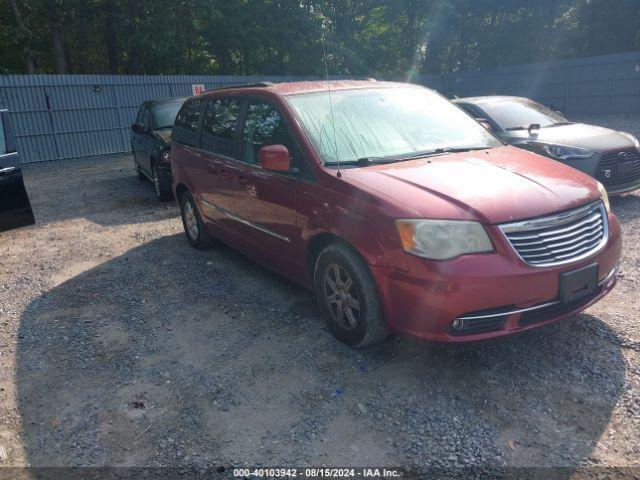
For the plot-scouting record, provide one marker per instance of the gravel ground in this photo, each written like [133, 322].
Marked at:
[122, 346]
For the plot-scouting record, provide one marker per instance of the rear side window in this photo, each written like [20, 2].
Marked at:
[219, 125]
[186, 125]
[189, 116]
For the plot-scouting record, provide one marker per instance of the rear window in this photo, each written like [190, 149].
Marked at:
[219, 125]
[186, 123]
[189, 115]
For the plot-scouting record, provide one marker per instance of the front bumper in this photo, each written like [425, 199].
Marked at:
[425, 299]
[615, 185]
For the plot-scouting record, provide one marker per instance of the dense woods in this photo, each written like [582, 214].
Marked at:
[362, 37]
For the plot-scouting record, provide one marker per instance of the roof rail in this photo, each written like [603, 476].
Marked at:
[244, 85]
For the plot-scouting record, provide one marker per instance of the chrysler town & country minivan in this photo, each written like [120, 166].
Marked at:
[401, 212]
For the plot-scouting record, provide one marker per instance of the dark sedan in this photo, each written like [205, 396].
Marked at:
[15, 208]
[611, 157]
[151, 143]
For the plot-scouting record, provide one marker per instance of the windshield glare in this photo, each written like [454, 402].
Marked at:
[509, 114]
[385, 122]
[164, 114]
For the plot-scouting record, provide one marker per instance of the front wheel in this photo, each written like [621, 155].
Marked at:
[193, 227]
[348, 297]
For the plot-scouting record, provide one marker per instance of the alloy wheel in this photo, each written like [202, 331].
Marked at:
[341, 296]
[190, 220]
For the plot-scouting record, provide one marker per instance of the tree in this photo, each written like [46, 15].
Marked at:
[361, 37]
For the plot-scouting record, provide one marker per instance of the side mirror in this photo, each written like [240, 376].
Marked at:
[485, 123]
[138, 128]
[274, 158]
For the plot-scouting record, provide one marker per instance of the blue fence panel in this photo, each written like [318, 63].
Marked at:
[70, 116]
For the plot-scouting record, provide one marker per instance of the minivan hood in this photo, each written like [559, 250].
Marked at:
[597, 139]
[492, 186]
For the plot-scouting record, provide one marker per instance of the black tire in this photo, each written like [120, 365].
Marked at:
[161, 185]
[368, 327]
[198, 237]
[139, 173]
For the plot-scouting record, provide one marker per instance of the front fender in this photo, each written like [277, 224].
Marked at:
[359, 223]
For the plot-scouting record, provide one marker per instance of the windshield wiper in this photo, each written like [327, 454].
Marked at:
[438, 151]
[364, 161]
[558, 124]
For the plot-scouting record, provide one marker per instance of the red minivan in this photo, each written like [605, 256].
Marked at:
[401, 212]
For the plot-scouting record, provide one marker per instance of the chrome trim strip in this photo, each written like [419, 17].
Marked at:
[510, 312]
[549, 221]
[609, 276]
[558, 220]
[245, 222]
[6, 170]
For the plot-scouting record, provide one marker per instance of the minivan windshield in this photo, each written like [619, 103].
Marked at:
[164, 114]
[388, 123]
[514, 114]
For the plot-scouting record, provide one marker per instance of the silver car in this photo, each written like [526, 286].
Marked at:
[610, 156]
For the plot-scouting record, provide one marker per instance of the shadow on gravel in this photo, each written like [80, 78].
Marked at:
[172, 356]
[105, 191]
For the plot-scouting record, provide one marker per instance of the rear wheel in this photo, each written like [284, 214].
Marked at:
[193, 227]
[162, 185]
[139, 173]
[348, 297]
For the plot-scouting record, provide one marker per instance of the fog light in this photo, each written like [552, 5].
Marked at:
[458, 324]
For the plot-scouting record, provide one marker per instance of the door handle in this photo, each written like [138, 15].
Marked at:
[4, 171]
[225, 174]
[242, 180]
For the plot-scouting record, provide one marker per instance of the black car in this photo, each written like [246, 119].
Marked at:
[151, 143]
[611, 157]
[15, 208]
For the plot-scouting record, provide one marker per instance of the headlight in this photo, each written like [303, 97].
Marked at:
[633, 139]
[165, 156]
[563, 152]
[605, 197]
[442, 239]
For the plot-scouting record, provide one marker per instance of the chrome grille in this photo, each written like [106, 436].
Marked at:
[619, 168]
[562, 238]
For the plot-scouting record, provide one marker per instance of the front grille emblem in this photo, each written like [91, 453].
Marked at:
[623, 156]
[607, 173]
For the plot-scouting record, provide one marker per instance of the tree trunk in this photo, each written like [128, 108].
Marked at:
[26, 34]
[57, 38]
[134, 50]
[110, 36]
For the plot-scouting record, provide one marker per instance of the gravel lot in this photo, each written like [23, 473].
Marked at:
[121, 345]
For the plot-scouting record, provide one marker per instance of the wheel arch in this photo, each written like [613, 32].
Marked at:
[318, 243]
